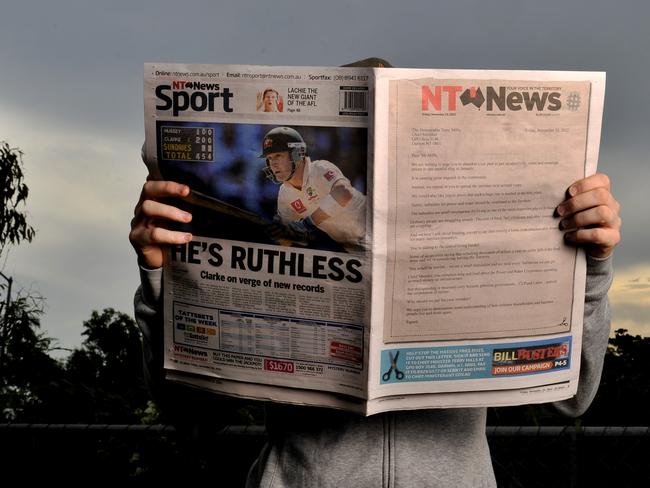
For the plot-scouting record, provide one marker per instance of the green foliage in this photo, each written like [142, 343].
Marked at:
[26, 369]
[624, 393]
[25, 365]
[100, 382]
[13, 194]
[149, 415]
[106, 372]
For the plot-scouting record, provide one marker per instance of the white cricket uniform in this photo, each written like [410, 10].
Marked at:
[348, 227]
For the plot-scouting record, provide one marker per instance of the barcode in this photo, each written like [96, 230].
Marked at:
[353, 101]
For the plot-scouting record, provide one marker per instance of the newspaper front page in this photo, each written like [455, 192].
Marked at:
[263, 295]
[373, 239]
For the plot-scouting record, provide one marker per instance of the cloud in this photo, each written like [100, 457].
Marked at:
[75, 108]
[638, 286]
[630, 299]
[83, 186]
[630, 284]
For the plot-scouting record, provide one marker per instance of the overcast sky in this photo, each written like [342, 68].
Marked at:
[71, 99]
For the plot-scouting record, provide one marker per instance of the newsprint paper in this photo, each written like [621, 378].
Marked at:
[373, 239]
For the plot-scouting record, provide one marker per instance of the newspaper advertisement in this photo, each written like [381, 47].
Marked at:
[373, 239]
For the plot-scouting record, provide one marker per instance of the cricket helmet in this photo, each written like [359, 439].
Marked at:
[283, 139]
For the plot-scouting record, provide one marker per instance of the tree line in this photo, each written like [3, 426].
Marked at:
[102, 380]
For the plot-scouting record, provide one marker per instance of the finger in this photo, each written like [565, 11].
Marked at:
[153, 189]
[599, 180]
[583, 201]
[600, 241]
[151, 209]
[601, 216]
[164, 189]
[143, 236]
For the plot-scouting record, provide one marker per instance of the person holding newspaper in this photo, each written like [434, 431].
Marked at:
[316, 447]
[312, 194]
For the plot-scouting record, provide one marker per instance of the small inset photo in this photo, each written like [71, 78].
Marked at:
[269, 100]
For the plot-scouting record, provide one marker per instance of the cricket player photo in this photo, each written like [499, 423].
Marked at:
[313, 194]
[291, 186]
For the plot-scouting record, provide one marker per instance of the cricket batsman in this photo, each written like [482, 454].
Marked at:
[313, 194]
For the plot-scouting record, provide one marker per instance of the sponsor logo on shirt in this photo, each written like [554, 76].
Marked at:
[311, 193]
[329, 176]
[298, 206]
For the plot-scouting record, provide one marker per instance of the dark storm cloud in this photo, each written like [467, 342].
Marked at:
[75, 67]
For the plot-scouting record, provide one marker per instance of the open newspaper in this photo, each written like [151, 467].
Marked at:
[373, 239]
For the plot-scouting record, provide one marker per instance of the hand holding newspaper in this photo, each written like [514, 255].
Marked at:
[380, 239]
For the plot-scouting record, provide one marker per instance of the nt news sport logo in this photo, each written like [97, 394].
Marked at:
[195, 95]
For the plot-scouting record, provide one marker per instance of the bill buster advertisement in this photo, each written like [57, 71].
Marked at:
[477, 361]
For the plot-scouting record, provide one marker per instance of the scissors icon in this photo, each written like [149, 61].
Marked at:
[393, 367]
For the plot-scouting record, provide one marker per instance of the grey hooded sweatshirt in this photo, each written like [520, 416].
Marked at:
[318, 447]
